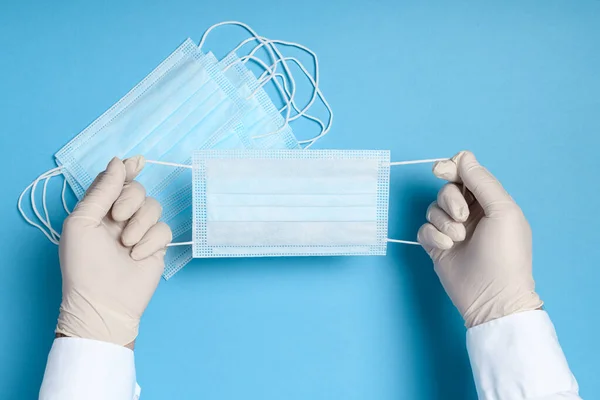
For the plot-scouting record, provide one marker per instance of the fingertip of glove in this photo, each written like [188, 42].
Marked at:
[115, 166]
[445, 169]
[136, 162]
[465, 157]
[134, 165]
[462, 214]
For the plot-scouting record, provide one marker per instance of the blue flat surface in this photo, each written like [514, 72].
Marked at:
[516, 82]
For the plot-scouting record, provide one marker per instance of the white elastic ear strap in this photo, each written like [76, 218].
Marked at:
[314, 82]
[287, 93]
[43, 223]
[46, 226]
[290, 94]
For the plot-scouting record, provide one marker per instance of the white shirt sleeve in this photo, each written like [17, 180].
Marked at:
[89, 369]
[519, 358]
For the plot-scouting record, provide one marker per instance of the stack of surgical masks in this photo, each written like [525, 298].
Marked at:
[191, 101]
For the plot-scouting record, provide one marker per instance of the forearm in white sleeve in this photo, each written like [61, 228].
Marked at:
[518, 357]
[89, 369]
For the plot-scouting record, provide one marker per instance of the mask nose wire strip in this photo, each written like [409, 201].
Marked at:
[431, 160]
[44, 224]
[180, 244]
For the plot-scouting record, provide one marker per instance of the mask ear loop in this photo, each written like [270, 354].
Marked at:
[272, 49]
[304, 114]
[319, 94]
[54, 234]
[432, 160]
[285, 92]
[51, 234]
[46, 221]
[288, 95]
[255, 36]
[62, 196]
[283, 61]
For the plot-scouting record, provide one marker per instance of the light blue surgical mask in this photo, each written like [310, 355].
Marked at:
[256, 203]
[253, 203]
[185, 103]
[260, 117]
[262, 123]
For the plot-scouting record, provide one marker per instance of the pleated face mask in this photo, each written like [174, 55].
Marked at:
[185, 103]
[255, 203]
[263, 125]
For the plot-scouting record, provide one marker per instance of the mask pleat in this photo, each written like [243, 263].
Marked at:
[288, 203]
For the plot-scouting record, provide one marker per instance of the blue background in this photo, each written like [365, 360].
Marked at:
[517, 82]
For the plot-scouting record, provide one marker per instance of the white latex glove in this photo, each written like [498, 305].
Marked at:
[111, 256]
[480, 243]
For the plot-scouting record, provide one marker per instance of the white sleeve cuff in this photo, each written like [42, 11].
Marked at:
[518, 357]
[89, 369]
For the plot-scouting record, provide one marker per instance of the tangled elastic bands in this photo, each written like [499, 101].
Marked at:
[287, 92]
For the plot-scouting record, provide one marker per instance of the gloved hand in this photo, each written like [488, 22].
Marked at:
[480, 243]
[111, 256]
